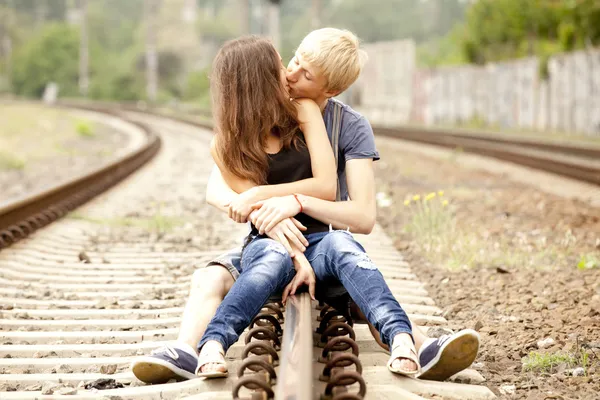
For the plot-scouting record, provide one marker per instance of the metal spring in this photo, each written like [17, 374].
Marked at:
[260, 355]
[336, 336]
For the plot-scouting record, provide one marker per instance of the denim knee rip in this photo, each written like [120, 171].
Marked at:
[364, 261]
[277, 248]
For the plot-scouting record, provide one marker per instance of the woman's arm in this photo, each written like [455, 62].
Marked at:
[234, 182]
[323, 184]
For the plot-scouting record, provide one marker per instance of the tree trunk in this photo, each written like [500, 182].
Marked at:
[244, 17]
[84, 77]
[273, 17]
[7, 50]
[315, 14]
[40, 13]
[190, 11]
[150, 10]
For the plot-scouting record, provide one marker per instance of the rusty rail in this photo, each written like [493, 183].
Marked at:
[21, 217]
[541, 155]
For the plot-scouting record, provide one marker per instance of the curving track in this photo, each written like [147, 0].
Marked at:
[83, 296]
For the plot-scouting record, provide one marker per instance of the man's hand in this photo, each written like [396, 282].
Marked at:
[273, 211]
[304, 276]
[241, 206]
[288, 232]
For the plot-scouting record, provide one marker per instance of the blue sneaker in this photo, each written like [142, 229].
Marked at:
[447, 355]
[164, 364]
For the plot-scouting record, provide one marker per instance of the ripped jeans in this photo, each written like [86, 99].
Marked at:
[266, 268]
[337, 257]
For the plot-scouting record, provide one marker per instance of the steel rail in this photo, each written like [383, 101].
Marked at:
[295, 380]
[519, 151]
[22, 216]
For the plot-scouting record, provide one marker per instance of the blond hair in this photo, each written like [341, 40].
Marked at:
[336, 55]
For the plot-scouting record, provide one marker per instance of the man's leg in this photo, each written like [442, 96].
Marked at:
[178, 360]
[440, 358]
[209, 286]
[337, 256]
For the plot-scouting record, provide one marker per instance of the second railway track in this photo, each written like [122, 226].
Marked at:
[83, 296]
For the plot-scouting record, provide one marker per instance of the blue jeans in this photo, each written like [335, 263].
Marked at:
[266, 268]
[335, 257]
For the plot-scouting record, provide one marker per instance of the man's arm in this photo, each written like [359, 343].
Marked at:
[218, 193]
[357, 214]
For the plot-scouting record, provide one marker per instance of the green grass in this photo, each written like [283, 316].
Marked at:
[9, 162]
[588, 261]
[547, 362]
[84, 129]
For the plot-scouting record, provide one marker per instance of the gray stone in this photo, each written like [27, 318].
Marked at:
[545, 343]
[50, 387]
[108, 369]
[67, 390]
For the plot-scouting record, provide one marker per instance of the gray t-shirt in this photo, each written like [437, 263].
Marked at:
[356, 140]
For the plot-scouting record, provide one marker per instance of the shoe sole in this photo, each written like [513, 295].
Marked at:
[156, 371]
[454, 356]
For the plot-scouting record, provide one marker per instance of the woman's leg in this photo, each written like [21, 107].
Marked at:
[338, 256]
[266, 269]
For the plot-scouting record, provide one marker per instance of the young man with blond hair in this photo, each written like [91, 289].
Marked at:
[326, 63]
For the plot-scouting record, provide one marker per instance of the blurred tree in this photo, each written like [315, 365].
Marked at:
[150, 17]
[505, 29]
[84, 78]
[48, 57]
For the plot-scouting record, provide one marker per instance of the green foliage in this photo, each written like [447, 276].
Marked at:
[52, 56]
[497, 30]
[445, 50]
[217, 29]
[198, 85]
[378, 20]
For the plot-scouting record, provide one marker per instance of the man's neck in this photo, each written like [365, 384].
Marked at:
[322, 104]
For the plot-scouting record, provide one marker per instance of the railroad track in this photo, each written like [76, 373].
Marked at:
[579, 161]
[83, 296]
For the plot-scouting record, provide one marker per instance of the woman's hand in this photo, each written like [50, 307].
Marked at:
[241, 207]
[274, 210]
[305, 275]
[288, 233]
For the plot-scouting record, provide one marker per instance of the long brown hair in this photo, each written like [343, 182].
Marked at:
[249, 103]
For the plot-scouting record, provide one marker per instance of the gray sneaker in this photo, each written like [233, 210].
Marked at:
[448, 355]
[164, 364]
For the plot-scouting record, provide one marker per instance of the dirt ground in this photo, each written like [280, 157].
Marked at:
[41, 147]
[522, 267]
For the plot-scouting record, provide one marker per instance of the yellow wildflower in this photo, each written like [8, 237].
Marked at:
[406, 202]
[430, 196]
[440, 193]
[445, 203]
[416, 197]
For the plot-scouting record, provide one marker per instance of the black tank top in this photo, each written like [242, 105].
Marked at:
[291, 165]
